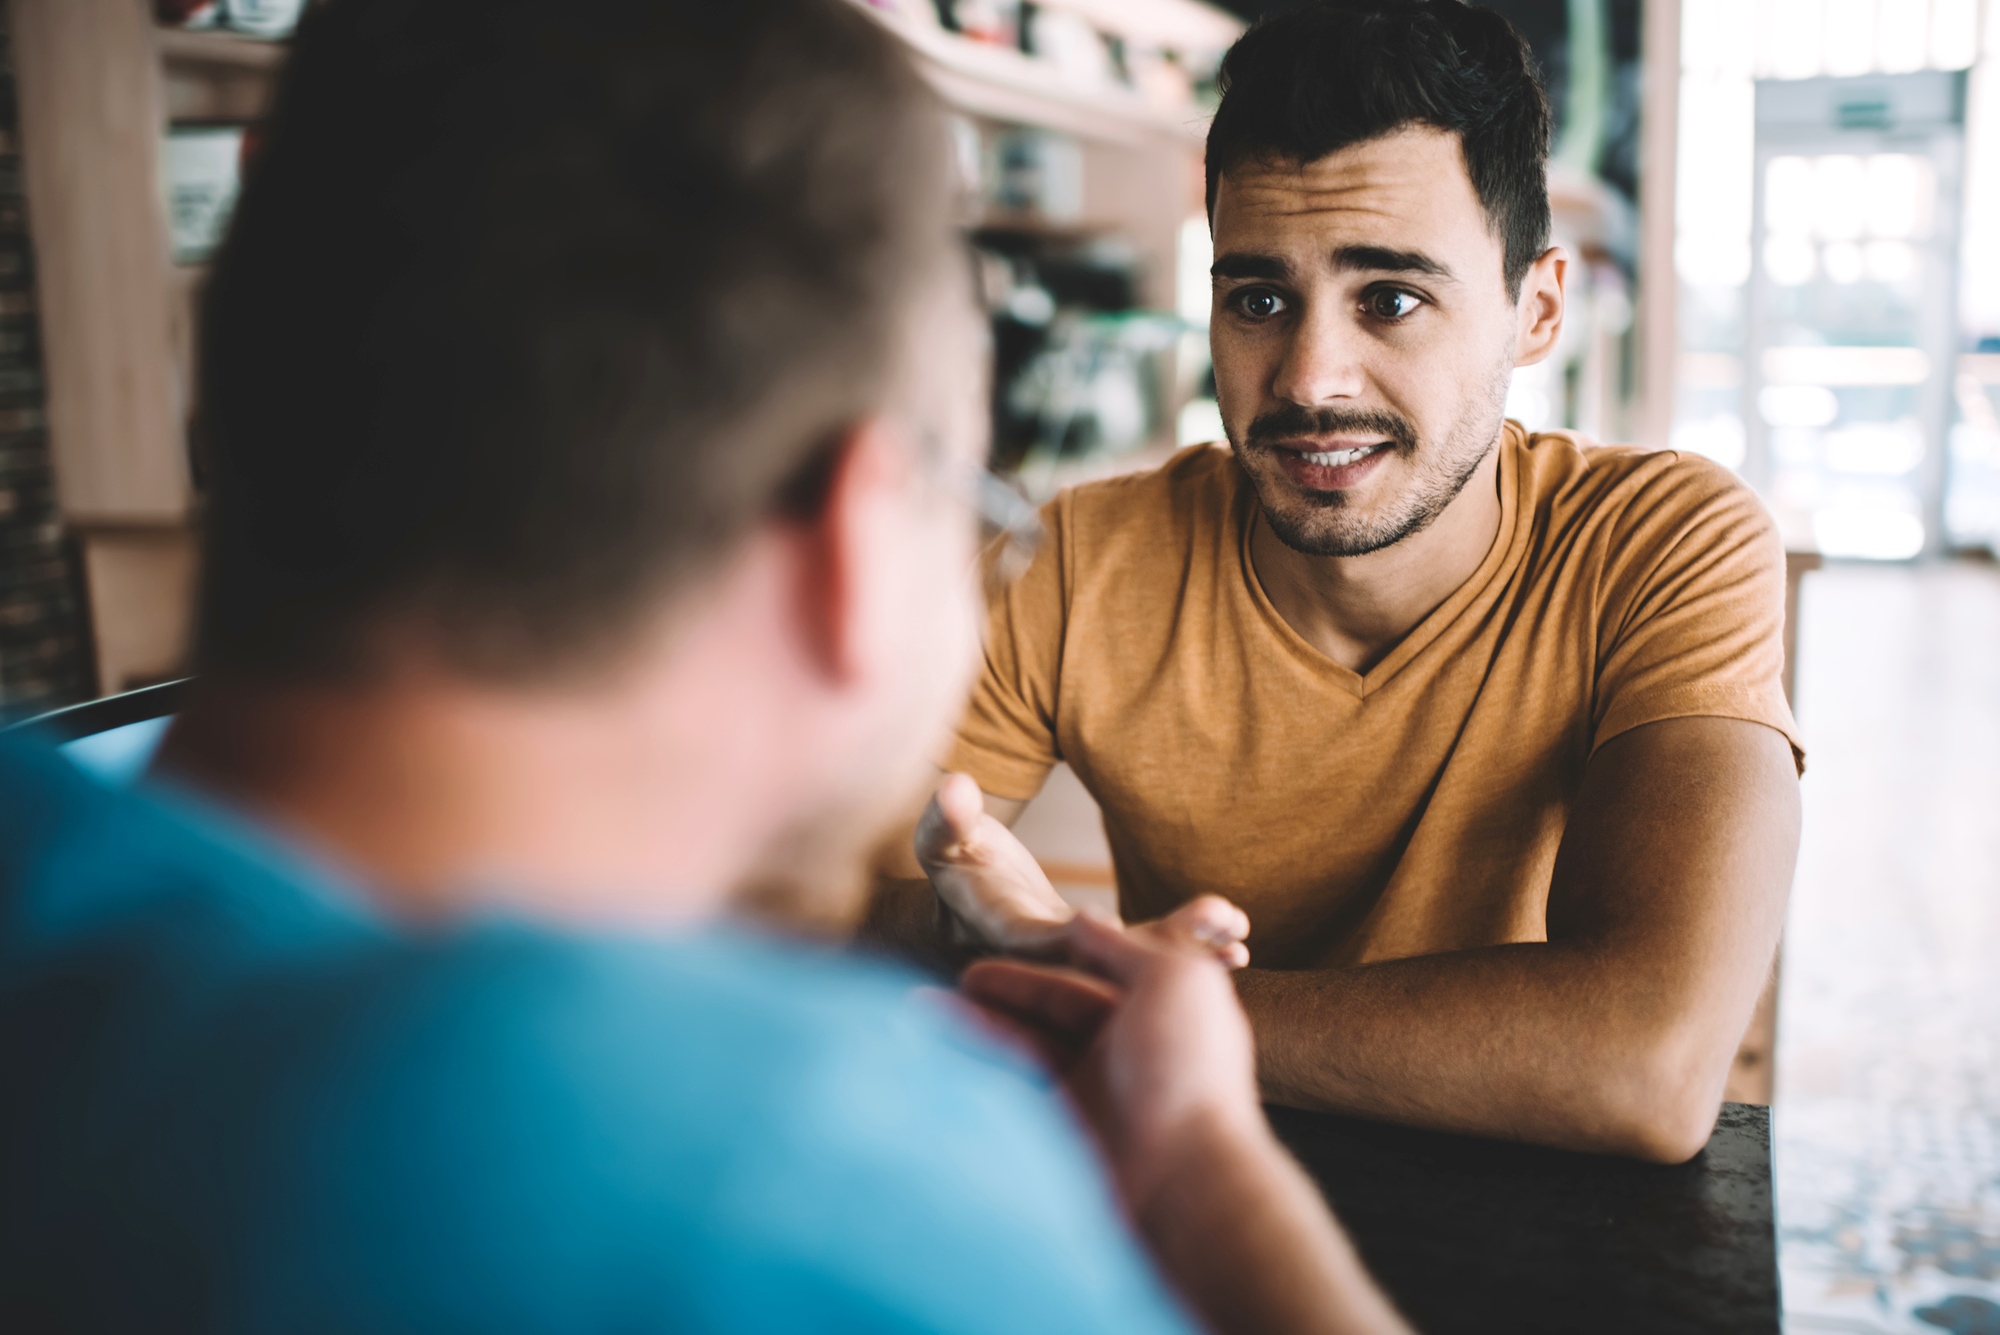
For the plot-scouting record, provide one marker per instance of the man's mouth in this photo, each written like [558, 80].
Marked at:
[1341, 458]
[1332, 470]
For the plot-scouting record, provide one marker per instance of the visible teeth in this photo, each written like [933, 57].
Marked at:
[1340, 458]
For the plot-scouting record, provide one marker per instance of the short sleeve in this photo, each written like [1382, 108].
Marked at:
[1694, 608]
[1007, 739]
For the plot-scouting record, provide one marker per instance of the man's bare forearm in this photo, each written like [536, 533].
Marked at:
[1245, 1237]
[1616, 1033]
[1550, 1044]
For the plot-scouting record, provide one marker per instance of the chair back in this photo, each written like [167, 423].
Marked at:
[113, 738]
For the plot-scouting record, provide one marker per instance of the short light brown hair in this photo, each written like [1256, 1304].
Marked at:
[530, 310]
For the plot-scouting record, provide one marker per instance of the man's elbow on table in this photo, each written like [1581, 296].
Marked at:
[1663, 1106]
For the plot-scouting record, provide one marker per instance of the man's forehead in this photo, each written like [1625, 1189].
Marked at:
[1412, 181]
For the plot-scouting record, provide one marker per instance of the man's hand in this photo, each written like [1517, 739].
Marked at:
[1157, 1054]
[1146, 1032]
[985, 876]
[1000, 896]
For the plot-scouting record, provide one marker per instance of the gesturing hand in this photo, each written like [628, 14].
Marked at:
[985, 875]
[997, 890]
[1146, 1033]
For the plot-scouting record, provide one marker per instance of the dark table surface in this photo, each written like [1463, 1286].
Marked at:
[1477, 1235]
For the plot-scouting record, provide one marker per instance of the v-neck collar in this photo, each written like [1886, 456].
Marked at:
[1508, 537]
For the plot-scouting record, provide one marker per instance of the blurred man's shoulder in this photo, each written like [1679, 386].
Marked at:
[323, 1114]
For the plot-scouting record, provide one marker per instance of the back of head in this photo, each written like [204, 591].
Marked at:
[1315, 80]
[530, 310]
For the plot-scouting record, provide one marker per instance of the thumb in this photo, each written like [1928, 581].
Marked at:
[950, 825]
[959, 802]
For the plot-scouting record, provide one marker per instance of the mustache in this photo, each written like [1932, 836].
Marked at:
[1295, 420]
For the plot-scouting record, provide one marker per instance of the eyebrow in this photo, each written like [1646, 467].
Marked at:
[1382, 259]
[1373, 259]
[1239, 265]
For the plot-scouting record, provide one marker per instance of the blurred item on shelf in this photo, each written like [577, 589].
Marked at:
[1068, 42]
[1079, 370]
[1159, 54]
[1034, 174]
[271, 19]
[997, 22]
[202, 166]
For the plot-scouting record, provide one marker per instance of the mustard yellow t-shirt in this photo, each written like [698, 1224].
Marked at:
[1413, 809]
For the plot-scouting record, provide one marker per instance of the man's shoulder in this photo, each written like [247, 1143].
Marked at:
[1559, 458]
[1574, 480]
[320, 1114]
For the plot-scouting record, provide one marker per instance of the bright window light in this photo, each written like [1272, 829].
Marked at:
[1873, 533]
[1899, 195]
[1798, 405]
[1842, 261]
[1903, 33]
[1193, 290]
[1790, 194]
[1530, 397]
[1846, 366]
[1840, 196]
[1200, 422]
[1880, 449]
[1850, 37]
[1891, 261]
[1719, 438]
[1954, 33]
[1790, 260]
[1794, 37]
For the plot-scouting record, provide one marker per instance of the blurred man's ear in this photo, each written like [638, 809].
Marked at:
[1541, 306]
[850, 550]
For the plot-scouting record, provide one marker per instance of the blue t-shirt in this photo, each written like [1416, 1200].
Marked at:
[233, 1098]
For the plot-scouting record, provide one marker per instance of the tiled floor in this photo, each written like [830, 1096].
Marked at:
[1888, 1073]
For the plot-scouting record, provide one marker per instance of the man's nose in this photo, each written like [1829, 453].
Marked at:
[1323, 360]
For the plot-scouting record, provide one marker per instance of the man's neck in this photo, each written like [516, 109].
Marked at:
[1357, 609]
[436, 800]
[438, 794]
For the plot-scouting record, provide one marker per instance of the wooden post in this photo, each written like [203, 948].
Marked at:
[1752, 1076]
[92, 119]
[91, 124]
[1659, 287]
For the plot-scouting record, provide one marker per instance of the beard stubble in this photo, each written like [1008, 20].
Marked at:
[1323, 526]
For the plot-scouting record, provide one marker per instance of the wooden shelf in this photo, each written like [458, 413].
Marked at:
[182, 46]
[1181, 25]
[1004, 84]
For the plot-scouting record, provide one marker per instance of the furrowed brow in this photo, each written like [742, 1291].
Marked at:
[1249, 266]
[1382, 259]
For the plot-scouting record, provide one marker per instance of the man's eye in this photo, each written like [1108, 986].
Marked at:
[1260, 303]
[1391, 303]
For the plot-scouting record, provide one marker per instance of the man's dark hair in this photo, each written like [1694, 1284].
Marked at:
[530, 309]
[1312, 81]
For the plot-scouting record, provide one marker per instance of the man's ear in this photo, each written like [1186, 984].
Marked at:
[1540, 307]
[848, 551]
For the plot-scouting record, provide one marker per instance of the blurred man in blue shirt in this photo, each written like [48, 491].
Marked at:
[589, 407]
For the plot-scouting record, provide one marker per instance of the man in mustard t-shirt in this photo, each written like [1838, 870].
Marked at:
[1483, 730]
